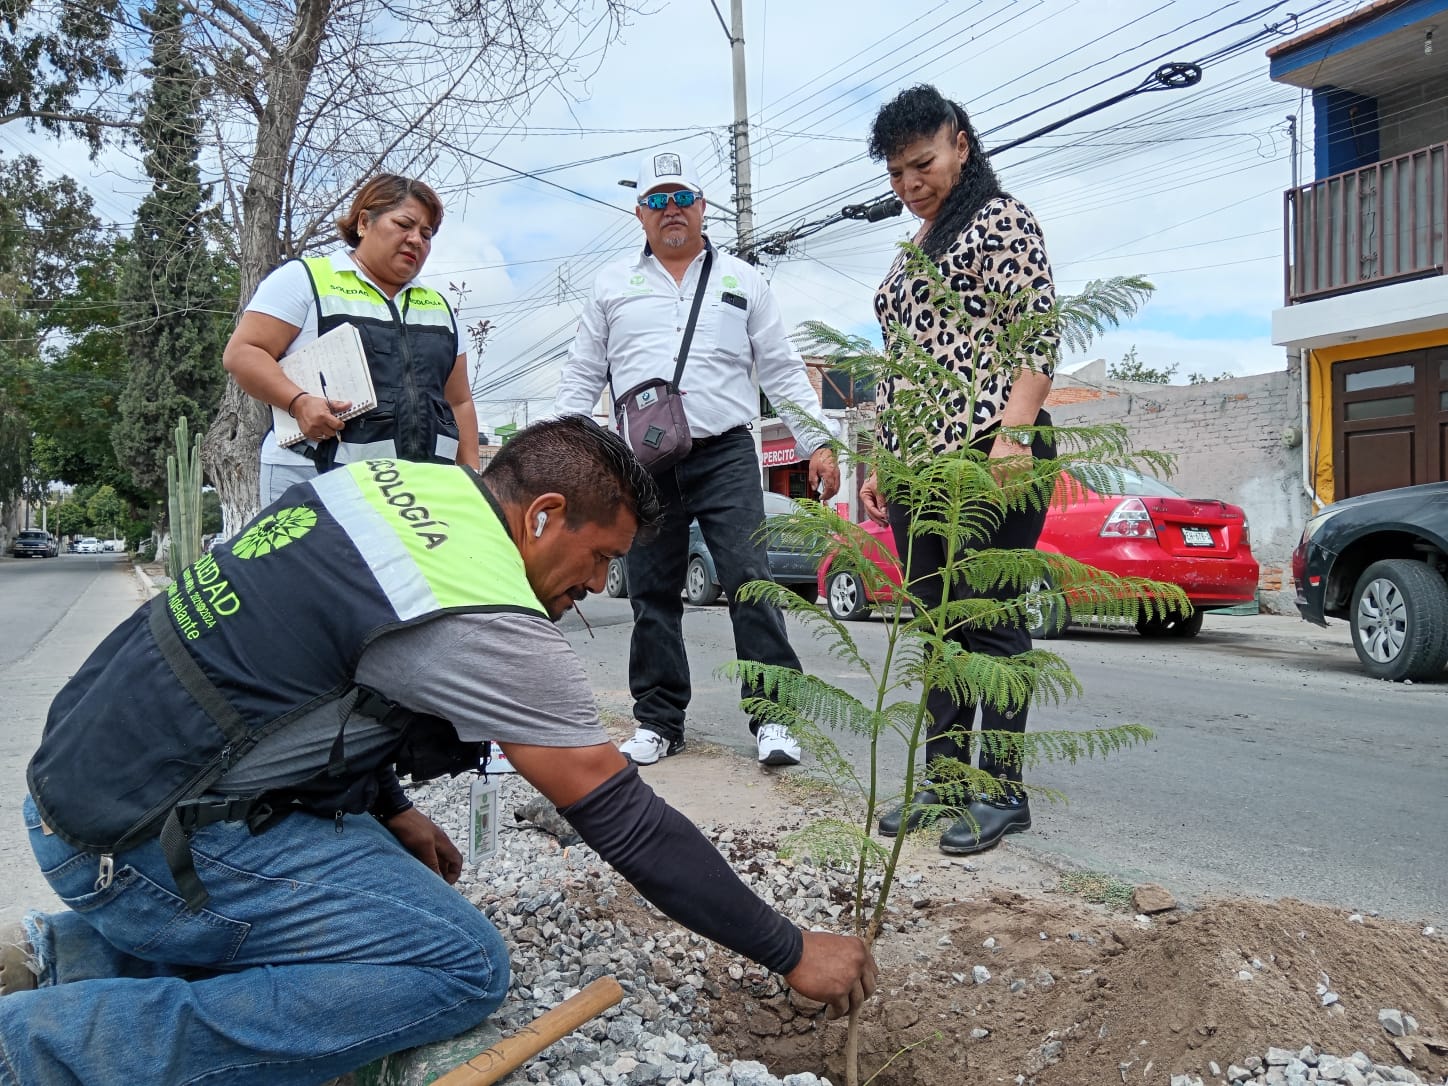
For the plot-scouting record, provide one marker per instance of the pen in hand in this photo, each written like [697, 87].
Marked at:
[322, 377]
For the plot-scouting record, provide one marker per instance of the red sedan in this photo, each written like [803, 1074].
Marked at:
[1128, 524]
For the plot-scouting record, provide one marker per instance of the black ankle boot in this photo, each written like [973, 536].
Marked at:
[993, 820]
[890, 821]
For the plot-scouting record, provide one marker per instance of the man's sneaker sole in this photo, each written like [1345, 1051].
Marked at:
[779, 757]
[669, 752]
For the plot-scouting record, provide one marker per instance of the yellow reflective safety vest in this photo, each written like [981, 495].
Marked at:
[411, 344]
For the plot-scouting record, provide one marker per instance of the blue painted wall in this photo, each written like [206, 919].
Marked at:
[1346, 127]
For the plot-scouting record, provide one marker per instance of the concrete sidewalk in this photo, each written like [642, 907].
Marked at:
[29, 684]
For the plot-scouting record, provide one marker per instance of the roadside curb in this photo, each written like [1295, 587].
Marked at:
[148, 587]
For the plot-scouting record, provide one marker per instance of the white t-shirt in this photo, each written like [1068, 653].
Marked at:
[287, 295]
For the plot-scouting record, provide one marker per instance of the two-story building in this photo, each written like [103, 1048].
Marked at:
[1366, 295]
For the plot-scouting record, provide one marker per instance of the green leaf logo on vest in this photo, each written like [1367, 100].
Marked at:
[275, 532]
[730, 282]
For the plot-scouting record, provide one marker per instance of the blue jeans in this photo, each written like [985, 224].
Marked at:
[719, 484]
[318, 952]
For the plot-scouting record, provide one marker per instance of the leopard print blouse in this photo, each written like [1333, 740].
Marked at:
[1003, 253]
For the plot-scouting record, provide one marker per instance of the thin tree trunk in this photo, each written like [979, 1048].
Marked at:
[234, 438]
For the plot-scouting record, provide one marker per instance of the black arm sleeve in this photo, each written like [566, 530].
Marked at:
[391, 799]
[673, 865]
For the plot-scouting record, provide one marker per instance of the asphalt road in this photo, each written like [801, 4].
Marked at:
[53, 612]
[1277, 768]
[35, 593]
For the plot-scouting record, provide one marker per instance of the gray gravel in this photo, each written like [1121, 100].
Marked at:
[1280, 1067]
[551, 904]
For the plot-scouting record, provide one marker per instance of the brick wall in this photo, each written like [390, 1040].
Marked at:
[1236, 440]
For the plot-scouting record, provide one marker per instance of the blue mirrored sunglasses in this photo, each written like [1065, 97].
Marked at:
[660, 200]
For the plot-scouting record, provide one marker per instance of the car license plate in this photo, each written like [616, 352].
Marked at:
[1198, 537]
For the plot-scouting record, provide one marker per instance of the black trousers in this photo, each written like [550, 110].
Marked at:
[1017, 530]
[718, 484]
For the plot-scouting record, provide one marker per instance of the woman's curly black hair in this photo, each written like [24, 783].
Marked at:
[918, 113]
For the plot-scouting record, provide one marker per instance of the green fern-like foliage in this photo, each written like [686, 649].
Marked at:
[960, 497]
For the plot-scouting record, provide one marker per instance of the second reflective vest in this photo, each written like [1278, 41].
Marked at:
[411, 345]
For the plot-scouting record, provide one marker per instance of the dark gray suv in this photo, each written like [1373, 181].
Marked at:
[788, 565]
[34, 543]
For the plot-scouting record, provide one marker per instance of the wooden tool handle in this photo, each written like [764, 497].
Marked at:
[512, 1052]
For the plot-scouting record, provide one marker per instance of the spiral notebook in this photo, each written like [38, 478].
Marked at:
[335, 366]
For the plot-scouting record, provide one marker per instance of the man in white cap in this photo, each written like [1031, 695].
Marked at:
[631, 331]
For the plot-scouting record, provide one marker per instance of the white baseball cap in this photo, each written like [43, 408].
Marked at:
[666, 167]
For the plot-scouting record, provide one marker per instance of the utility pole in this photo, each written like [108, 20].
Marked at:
[743, 189]
[1292, 140]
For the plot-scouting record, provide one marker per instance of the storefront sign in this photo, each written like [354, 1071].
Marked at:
[778, 452]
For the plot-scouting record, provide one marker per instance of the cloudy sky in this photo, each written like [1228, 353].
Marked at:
[1183, 186]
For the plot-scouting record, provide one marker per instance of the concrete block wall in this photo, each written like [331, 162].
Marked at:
[1238, 440]
[1412, 119]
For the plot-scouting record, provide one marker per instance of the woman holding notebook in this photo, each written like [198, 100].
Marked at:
[409, 334]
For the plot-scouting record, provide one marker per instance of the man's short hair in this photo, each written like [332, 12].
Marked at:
[592, 468]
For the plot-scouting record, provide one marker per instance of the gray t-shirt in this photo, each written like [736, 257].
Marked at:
[506, 677]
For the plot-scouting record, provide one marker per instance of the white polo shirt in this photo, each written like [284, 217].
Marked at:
[632, 326]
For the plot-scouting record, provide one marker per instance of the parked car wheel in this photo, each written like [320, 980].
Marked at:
[845, 596]
[1046, 619]
[1173, 625]
[699, 589]
[1400, 620]
[617, 583]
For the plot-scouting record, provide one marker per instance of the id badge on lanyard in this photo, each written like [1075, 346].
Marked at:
[482, 819]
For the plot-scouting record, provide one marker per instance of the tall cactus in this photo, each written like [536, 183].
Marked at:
[183, 487]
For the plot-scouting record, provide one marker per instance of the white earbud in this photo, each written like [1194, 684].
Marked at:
[538, 525]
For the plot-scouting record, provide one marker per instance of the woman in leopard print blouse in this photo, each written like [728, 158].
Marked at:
[989, 248]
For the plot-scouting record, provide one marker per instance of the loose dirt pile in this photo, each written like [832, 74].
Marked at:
[1078, 994]
[1103, 999]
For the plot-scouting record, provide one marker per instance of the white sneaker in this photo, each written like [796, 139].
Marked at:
[646, 747]
[776, 745]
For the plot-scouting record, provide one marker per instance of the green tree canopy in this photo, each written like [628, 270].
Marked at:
[69, 518]
[1130, 368]
[49, 235]
[172, 293]
[56, 58]
[105, 511]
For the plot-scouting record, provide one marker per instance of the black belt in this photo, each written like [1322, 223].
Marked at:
[731, 432]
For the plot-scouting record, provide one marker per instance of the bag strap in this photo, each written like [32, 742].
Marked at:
[693, 316]
[688, 328]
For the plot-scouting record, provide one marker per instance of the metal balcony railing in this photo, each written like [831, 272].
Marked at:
[1379, 224]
